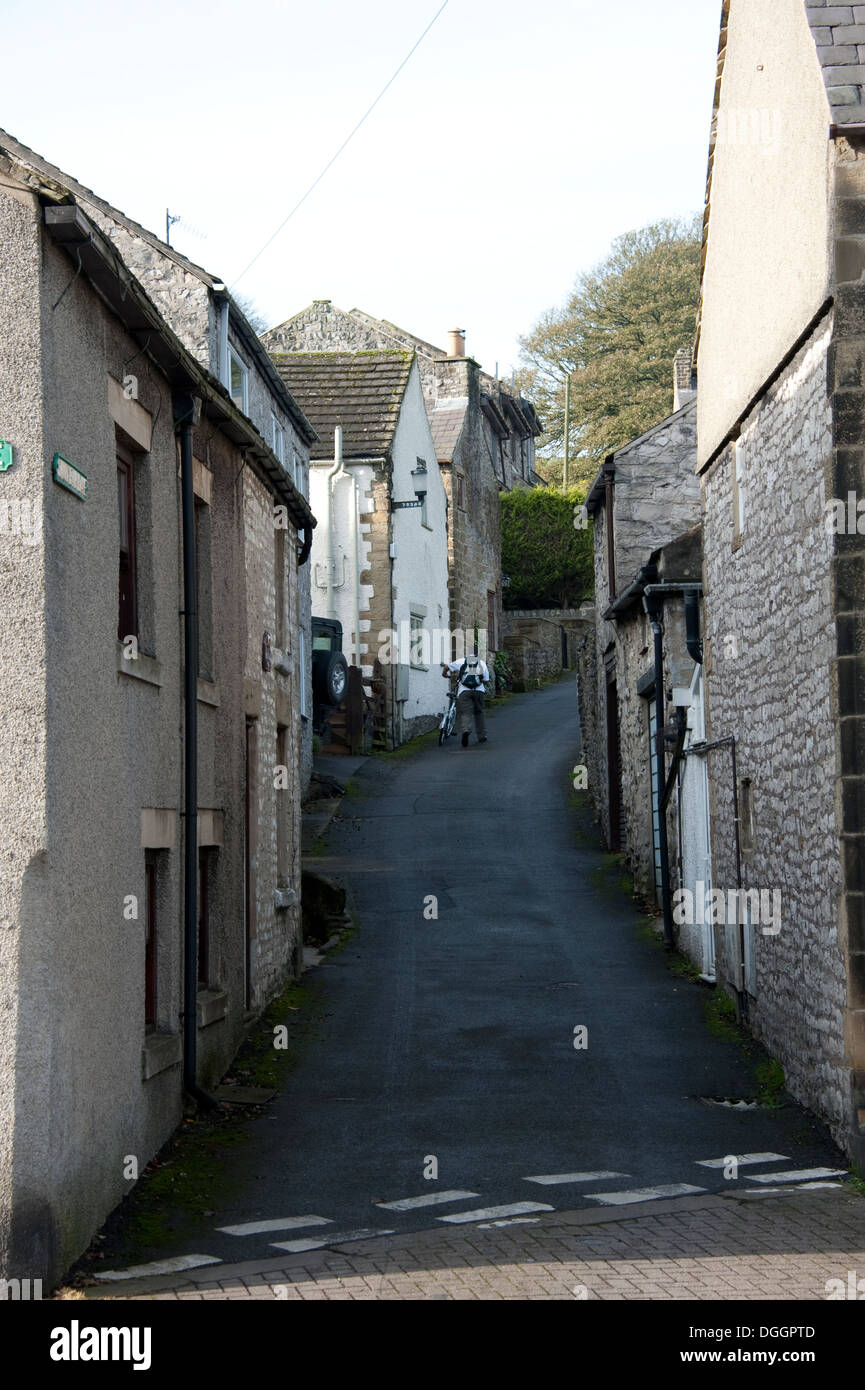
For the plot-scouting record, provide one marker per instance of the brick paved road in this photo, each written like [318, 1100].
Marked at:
[705, 1248]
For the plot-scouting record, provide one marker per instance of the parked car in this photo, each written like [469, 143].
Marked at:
[329, 666]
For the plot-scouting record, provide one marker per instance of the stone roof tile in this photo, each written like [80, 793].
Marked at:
[361, 391]
[838, 31]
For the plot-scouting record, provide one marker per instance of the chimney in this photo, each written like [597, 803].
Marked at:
[684, 379]
[457, 342]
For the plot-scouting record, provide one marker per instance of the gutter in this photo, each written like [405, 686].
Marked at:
[96, 257]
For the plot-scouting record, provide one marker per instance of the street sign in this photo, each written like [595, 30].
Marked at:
[5, 455]
[68, 476]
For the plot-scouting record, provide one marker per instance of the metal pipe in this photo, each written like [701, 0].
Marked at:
[654, 612]
[184, 412]
[328, 482]
[693, 640]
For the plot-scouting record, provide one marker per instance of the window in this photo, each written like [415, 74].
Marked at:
[277, 439]
[150, 939]
[297, 472]
[238, 381]
[304, 708]
[418, 642]
[424, 514]
[738, 493]
[204, 585]
[283, 805]
[746, 815]
[204, 857]
[461, 491]
[279, 585]
[127, 620]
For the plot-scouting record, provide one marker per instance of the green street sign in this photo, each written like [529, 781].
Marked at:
[5, 455]
[68, 476]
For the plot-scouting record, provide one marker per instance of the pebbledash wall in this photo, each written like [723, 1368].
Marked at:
[93, 748]
[768, 660]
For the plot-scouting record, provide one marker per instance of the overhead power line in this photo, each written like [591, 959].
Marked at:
[345, 142]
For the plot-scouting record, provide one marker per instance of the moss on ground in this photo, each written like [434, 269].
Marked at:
[191, 1178]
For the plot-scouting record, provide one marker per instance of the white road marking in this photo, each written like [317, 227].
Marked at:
[548, 1179]
[172, 1266]
[489, 1213]
[788, 1191]
[643, 1194]
[335, 1238]
[511, 1221]
[285, 1223]
[742, 1159]
[431, 1199]
[799, 1175]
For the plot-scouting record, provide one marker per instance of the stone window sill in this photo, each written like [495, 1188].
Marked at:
[160, 1051]
[208, 693]
[211, 1006]
[141, 668]
[283, 662]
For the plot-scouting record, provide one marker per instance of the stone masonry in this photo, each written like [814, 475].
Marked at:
[769, 646]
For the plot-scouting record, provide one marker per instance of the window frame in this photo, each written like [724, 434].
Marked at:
[151, 943]
[127, 593]
[234, 358]
[419, 618]
[740, 495]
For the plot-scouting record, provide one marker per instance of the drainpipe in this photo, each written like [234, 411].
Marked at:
[693, 640]
[329, 477]
[184, 413]
[654, 608]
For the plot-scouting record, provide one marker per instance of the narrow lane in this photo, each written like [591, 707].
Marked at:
[452, 1039]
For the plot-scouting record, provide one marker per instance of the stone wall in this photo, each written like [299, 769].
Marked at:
[656, 494]
[656, 497]
[474, 514]
[533, 641]
[769, 648]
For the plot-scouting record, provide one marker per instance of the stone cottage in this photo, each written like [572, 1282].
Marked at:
[484, 433]
[643, 497]
[150, 874]
[214, 329]
[379, 558]
[781, 459]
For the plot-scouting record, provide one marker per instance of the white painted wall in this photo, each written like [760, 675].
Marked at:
[768, 256]
[345, 574]
[420, 572]
[696, 940]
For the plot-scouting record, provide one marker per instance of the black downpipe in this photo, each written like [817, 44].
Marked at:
[184, 412]
[654, 609]
[693, 640]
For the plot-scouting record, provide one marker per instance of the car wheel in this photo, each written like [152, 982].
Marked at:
[336, 678]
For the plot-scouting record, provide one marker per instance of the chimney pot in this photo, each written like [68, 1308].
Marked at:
[457, 342]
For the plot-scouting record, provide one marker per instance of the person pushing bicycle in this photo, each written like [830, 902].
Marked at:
[473, 673]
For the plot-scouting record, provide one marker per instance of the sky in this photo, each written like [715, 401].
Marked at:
[517, 142]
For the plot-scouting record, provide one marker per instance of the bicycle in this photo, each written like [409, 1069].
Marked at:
[449, 718]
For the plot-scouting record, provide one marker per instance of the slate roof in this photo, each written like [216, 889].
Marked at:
[840, 44]
[446, 423]
[361, 391]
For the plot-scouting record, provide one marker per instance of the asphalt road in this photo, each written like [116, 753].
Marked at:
[453, 1038]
